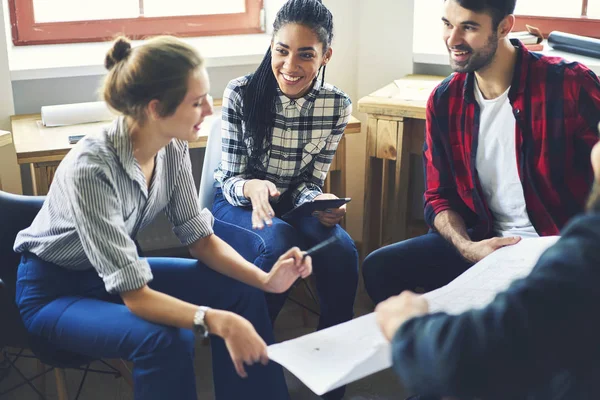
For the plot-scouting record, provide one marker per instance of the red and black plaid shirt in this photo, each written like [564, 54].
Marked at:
[556, 105]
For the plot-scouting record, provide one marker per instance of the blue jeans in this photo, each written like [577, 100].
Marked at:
[72, 311]
[335, 268]
[425, 263]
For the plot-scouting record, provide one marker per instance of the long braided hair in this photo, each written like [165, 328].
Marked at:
[261, 92]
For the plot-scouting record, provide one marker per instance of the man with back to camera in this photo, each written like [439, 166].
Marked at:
[508, 139]
[536, 341]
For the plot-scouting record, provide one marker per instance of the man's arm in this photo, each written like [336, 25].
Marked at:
[541, 324]
[452, 227]
[440, 187]
[442, 202]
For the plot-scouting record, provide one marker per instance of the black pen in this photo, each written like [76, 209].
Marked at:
[320, 246]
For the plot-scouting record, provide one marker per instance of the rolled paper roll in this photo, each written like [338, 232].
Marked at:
[78, 113]
[583, 45]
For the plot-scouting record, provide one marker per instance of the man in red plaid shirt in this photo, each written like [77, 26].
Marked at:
[506, 155]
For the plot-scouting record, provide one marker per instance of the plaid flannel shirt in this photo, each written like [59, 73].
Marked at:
[556, 105]
[305, 137]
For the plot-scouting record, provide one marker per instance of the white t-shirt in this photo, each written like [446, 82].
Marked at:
[497, 167]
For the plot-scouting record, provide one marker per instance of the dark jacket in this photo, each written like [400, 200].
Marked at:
[538, 340]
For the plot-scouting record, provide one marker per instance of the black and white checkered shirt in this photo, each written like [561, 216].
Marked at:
[305, 136]
[99, 200]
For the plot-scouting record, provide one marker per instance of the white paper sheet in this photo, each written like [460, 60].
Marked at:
[78, 113]
[478, 286]
[415, 89]
[333, 357]
[330, 358]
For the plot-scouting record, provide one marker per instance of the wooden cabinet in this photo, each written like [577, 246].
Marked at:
[395, 131]
[44, 148]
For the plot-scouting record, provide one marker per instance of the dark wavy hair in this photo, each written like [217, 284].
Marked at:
[259, 98]
[497, 9]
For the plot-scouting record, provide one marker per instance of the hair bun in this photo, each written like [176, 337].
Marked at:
[119, 52]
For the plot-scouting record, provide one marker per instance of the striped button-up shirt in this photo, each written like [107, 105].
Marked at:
[305, 137]
[99, 200]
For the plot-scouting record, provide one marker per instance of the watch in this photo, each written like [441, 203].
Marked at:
[200, 327]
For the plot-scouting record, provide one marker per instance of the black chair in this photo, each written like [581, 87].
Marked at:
[17, 213]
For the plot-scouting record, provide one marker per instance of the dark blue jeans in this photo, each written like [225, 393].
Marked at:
[335, 269]
[423, 263]
[72, 311]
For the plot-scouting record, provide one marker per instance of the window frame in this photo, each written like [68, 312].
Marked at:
[582, 25]
[578, 26]
[25, 31]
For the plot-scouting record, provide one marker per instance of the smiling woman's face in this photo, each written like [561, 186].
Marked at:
[297, 56]
[184, 123]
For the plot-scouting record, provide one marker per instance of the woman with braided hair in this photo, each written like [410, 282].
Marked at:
[280, 129]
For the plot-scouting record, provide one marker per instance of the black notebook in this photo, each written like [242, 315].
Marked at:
[306, 209]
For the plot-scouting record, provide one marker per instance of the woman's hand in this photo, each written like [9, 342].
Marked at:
[290, 266]
[260, 192]
[244, 344]
[331, 216]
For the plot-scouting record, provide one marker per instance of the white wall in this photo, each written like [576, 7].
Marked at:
[385, 42]
[341, 71]
[384, 52]
[6, 105]
[428, 27]
[9, 170]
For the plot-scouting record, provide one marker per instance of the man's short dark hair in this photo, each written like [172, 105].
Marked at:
[497, 9]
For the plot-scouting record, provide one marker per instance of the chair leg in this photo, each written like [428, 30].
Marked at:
[124, 370]
[42, 379]
[61, 384]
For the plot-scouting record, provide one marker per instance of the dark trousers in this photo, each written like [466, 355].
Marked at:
[423, 264]
[72, 311]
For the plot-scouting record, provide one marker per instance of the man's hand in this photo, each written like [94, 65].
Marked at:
[260, 192]
[476, 251]
[287, 270]
[244, 344]
[396, 310]
[331, 216]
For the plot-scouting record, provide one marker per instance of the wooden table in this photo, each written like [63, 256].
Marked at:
[395, 130]
[5, 140]
[44, 148]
